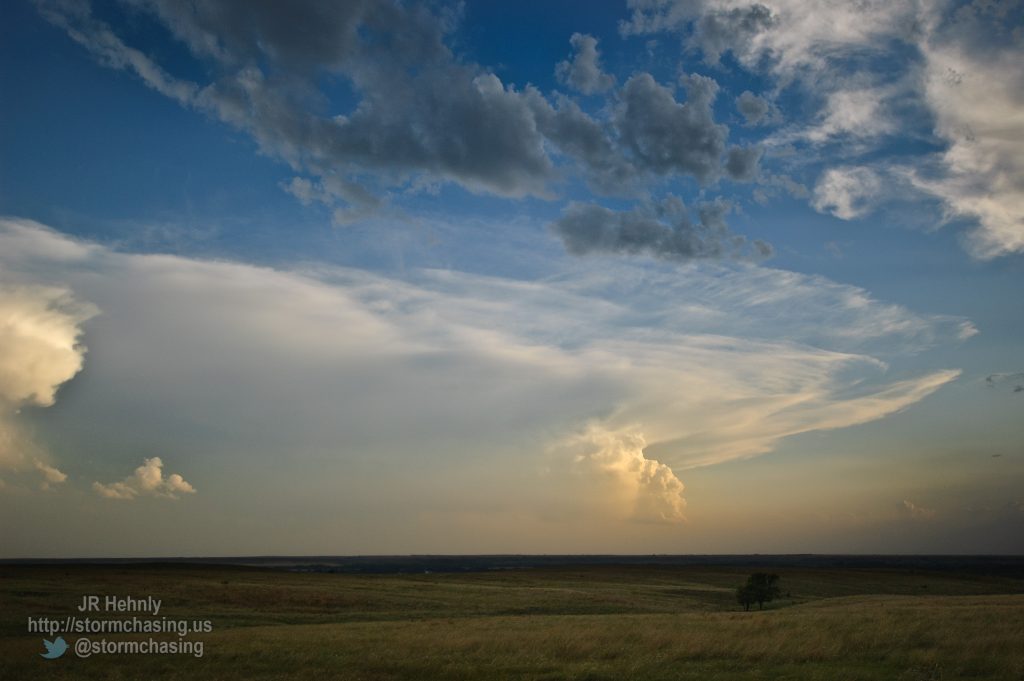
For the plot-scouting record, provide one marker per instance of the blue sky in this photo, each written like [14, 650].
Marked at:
[513, 276]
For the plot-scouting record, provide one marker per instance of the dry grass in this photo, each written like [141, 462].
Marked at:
[591, 624]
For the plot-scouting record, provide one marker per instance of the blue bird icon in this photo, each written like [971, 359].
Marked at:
[54, 648]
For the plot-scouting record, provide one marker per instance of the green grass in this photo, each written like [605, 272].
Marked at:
[581, 623]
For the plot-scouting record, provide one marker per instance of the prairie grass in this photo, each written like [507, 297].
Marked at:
[602, 623]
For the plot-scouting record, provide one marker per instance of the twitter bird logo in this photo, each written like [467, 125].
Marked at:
[54, 648]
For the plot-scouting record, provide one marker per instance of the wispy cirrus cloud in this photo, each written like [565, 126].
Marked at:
[652, 369]
[664, 230]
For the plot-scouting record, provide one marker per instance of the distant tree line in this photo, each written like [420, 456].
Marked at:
[761, 588]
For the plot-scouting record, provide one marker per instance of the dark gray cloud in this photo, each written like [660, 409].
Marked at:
[449, 122]
[421, 111]
[584, 72]
[665, 136]
[662, 230]
[1015, 381]
[418, 111]
[588, 141]
[742, 163]
[303, 35]
[756, 110]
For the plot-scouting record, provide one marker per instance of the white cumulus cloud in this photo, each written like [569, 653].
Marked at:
[147, 480]
[847, 192]
[651, 492]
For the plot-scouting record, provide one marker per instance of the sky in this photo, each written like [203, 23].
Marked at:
[380, 277]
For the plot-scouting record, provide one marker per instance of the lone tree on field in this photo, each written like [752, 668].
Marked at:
[745, 596]
[760, 588]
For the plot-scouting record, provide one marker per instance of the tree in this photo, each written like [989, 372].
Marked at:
[761, 588]
[745, 596]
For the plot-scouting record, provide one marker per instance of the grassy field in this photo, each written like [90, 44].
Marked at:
[584, 623]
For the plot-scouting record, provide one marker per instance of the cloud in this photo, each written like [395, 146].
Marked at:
[786, 37]
[39, 333]
[147, 480]
[973, 85]
[847, 192]
[650, 490]
[94, 35]
[51, 475]
[663, 230]
[959, 68]
[747, 418]
[756, 110]
[1016, 380]
[916, 512]
[435, 386]
[40, 329]
[421, 113]
[584, 72]
[420, 109]
[665, 136]
[857, 112]
[588, 141]
[649, 134]
[742, 163]
[357, 202]
[717, 32]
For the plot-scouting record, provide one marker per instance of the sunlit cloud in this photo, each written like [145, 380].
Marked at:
[648, 489]
[40, 328]
[147, 480]
[847, 192]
